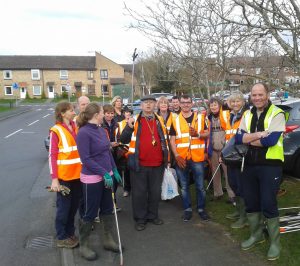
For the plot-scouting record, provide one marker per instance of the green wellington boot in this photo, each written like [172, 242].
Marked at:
[108, 242]
[85, 229]
[242, 221]
[255, 221]
[274, 235]
[236, 214]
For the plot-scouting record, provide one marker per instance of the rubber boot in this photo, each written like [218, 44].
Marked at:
[242, 221]
[108, 242]
[236, 214]
[85, 229]
[255, 221]
[274, 235]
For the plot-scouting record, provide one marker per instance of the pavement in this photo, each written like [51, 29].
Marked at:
[174, 243]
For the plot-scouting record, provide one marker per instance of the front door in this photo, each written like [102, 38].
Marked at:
[50, 92]
[78, 91]
[22, 93]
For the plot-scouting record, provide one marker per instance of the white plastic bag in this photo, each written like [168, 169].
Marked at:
[169, 188]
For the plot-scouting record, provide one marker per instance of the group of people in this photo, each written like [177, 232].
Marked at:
[105, 146]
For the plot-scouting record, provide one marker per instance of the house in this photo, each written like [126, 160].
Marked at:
[51, 76]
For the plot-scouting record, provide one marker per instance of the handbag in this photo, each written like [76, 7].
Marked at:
[234, 154]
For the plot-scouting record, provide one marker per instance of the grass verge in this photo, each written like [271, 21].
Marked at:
[290, 252]
[4, 108]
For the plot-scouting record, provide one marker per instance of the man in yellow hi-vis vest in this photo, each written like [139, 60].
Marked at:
[262, 128]
[187, 138]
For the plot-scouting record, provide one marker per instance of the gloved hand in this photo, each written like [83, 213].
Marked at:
[117, 175]
[62, 189]
[193, 132]
[108, 182]
[180, 162]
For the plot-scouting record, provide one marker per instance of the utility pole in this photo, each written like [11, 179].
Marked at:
[134, 56]
[143, 83]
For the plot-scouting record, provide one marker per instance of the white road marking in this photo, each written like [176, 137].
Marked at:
[46, 115]
[27, 132]
[38, 109]
[33, 122]
[13, 133]
[50, 109]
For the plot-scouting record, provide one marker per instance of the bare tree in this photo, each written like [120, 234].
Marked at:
[278, 20]
[194, 34]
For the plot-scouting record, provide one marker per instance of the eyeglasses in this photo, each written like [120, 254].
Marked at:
[185, 103]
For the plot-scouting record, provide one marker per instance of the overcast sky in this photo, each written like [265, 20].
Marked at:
[70, 27]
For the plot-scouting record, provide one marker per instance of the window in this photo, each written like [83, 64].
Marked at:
[276, 81]
[37, 90]
[63, 74]
[35, 74]
[104, 89]
[91, 74]
[7, 74]
[8, 90]
[242, 82]
[64, 88]
[103, 74]
[91, 90]
[257, 70]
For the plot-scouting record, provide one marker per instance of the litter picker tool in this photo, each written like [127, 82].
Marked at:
[213, 176]
[117, 226]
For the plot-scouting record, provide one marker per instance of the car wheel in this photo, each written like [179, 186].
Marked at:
[297, 168]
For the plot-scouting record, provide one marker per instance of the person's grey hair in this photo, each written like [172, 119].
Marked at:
[236, 95]
[113, 101]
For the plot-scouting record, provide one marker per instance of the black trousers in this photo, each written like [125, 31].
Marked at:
[146, 192]
[66, 208]
[260, 186]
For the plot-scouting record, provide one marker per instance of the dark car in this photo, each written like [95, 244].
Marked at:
[291, 140]
[47, 143]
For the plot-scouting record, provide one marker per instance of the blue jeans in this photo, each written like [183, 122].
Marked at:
[197, 169]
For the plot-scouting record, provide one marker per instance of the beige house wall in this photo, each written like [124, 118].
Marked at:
[74, 76]
[113, 69]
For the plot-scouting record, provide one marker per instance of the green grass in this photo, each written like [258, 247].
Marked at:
[34, 100]
[4, 108]
[92, 99]
[7, 100]
[290, 252]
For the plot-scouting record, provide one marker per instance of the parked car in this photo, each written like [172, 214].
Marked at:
[47, 143]
[291, 140]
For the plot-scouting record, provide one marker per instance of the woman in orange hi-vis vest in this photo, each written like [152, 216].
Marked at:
[65, 167]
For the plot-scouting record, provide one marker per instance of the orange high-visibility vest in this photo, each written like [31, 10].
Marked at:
[170, 120]
[68, 161]
[230, 130]
[132, 143]
[122, 125]
[189, 147]
[225, 124]
[120, 128]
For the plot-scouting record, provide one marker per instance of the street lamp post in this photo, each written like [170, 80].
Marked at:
[134, 56]
[69, 91]
[102, 89]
